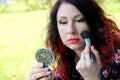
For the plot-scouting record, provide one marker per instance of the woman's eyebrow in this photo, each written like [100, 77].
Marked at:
[79, 15]
[61, 17]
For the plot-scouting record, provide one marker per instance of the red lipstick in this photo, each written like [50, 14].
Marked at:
[73, 40]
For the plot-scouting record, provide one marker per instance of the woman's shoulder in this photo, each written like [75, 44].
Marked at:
[113, 71]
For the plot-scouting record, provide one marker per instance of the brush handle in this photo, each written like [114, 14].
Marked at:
[92, 57]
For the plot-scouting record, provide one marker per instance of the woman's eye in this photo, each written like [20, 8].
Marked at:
[80, 20]
[63, 22]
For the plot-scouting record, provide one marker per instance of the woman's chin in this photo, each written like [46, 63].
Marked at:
[75, 47]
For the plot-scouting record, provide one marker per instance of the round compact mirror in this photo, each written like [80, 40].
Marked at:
[45, 56]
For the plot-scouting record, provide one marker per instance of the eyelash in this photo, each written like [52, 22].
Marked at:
[62, 22]
[80, 20]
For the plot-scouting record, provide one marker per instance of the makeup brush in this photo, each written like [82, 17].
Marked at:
[86, 36]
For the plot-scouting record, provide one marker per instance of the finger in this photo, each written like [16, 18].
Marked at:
[80, 66]
[40, 75]
[81, 62]
[38, 68]
[32, 71]
[82, 57]
[37, 65]
[44, 78]
[87, 53]
[96, 53]
[35, 70]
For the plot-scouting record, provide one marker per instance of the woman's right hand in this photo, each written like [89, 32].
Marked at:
[37, 72]
[88, 69]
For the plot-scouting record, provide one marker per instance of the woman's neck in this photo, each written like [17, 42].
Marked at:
[78, 54]
[76, 58]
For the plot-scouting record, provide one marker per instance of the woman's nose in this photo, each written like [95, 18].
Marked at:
[71, 28]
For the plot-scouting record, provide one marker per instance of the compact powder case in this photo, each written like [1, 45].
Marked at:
[45, 55]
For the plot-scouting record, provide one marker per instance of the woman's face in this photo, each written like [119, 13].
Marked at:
[71, 23]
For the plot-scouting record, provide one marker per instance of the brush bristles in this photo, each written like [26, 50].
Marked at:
[85, 34]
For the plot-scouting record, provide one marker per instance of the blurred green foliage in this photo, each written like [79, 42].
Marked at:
[28, 5]
[110, 6]
[25, 5]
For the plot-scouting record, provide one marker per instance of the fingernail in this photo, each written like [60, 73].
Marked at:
[46, 68]
[48, 72]
[41, 64]
[93, 47]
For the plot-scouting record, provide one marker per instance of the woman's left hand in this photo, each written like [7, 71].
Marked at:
[87, 69]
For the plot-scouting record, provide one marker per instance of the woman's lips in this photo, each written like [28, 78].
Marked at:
[73, 40]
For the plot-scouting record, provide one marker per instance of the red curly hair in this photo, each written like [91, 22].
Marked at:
[112, 36]
[105, 36]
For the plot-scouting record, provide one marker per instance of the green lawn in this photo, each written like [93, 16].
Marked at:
[21, 34]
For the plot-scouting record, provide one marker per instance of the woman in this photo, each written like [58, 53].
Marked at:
[68, 18]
